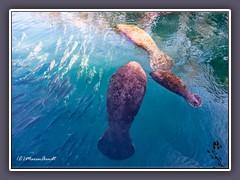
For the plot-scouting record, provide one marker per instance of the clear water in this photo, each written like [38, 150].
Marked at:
[61, 66]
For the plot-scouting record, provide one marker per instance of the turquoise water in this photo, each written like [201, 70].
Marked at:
[62, 63]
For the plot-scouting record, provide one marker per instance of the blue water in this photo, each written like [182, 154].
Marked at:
[61, 66]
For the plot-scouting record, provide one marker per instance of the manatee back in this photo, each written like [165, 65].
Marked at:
[176, 85]
[137, 35]
[170, 82]
[125, 94]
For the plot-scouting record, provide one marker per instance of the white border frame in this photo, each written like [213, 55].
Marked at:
[111, 10]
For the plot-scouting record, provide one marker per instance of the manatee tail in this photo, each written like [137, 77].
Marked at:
[116, 145]
[194, 100]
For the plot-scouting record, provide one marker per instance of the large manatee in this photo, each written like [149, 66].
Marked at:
[125, 93]
[176, 85]
[158, 59]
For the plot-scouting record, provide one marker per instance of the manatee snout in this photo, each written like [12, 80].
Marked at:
[194, 100]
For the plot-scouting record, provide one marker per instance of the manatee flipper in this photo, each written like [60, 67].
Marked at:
[176, 85]
[125, 93]
[158, 59]
[116, 146]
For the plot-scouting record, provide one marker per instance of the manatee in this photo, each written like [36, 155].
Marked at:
[125, 93]
[176, 85]
[158, 59]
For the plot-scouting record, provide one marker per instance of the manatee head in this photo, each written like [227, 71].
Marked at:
[194, 100]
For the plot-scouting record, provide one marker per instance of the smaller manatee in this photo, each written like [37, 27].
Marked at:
[176, 85]
[158, 59]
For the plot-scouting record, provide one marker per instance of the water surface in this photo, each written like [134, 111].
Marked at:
[61, 66]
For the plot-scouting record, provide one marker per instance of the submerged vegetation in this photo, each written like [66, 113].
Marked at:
[214, 152]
